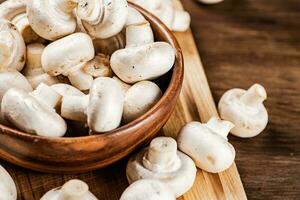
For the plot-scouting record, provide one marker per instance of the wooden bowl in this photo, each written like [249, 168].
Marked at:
[81, 154]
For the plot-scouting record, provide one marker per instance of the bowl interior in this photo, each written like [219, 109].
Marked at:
[167, 84]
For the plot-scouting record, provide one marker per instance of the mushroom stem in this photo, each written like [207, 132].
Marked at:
[73, 190]
[75, 107]
[220, 127]
[46, 95]
[255, 95]
[139, 34]
[162, 155]
[79, 78]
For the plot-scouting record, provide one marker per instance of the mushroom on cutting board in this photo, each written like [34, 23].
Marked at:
[105, 108]
[8, 190]
[72, 190]
[15, 12]
[33, 69]
[67, 56]
[207, 144]
[174, 19]
[12, 47]
[162, 161]
[142, 59]
[245, 109]
[31, 114]
[139, 98]
[147, 189]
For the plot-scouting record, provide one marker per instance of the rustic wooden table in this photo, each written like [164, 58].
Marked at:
[240, 42]
[246, 41]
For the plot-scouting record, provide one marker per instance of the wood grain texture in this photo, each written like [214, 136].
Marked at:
[246, 41]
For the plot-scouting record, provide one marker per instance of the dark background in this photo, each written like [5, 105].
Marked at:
[246, 41]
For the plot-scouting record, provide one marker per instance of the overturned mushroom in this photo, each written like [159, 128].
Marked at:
[105, 107]
[15, 12]
[8, 190]
[147, 189]
[142, 58]
[102, 19]
[68, 56]
[176, 20]
[71, 190]
[33, 69]
[163, 162]
[139, 99]
[12, 47]
[31, 114]
[98, 67]
[246, 110]
[207, 144]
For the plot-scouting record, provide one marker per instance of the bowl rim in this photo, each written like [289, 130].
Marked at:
[174, 85]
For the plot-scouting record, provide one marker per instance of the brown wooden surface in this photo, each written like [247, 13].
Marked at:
[247, 41]
[240, 42]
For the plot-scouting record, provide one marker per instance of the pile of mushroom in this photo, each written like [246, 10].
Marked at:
[174, 19]
[83, 61]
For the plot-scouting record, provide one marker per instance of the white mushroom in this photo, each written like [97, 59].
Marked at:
[15, 12]
[139, 99]
[75, 107]
[98, 67]
[102, 19]
[12, 47]
[147, 189]
[12, 79]
[207, 144]
[66, 90]
[105, 105]
[8, 190]
[30, 115]
[163, 162]
[52, 19]
[110, 45]
[67, 56]
[210, 1]
[71, 190]
[33, 69]
[125, 87]
[246, 110]
[176, 20]
[142, 58]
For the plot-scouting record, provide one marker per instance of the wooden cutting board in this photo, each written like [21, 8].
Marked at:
[195, 103]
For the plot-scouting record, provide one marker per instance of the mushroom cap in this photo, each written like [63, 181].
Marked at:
[8, 190]
[179, 176]
[109, 21]
[71, 190]
[105, 105]
[181, 21]
[145, 62]
[27, 114]
[67, 90]
[209, 150]
[49, 20]
[11, 8]
[140, 98]
[74, 107]
[125, 87]
[13, 79]
[110, 45]
[147, 189]
[12, 47]
[63, 54]
[249, 120]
